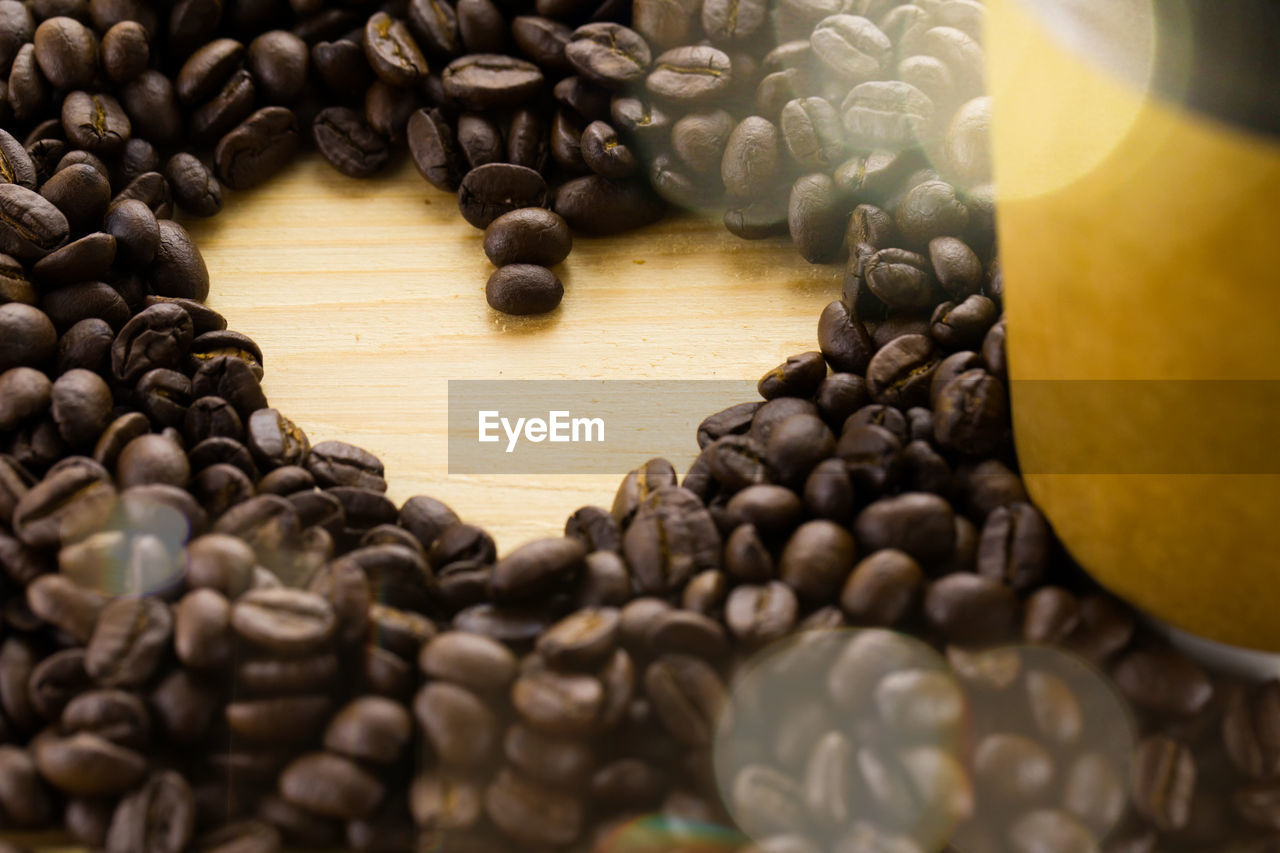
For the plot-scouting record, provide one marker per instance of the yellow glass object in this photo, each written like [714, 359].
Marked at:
[1140, 247]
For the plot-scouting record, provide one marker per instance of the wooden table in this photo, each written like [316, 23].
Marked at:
[368, 296]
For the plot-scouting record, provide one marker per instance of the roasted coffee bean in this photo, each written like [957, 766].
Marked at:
[392, 51]
[485, 80]
[28, 89]
[129, 641]
[1163, 681]
[460, 728]
[97, 123]
[24, 799]
[523, 289]
[246, 836]
[202, 629]
[687, 696]
[1250, 731]
[205, 70]
[489, 191]
[56, 681]
[66, 51]
[1014, 547]
[971, 609]
[887, 115]
[690, 75]
[558, 704]
[599, 206]
[815, 217]
[758, 615]
[971, 413]
[159, 816]
[532, 235]
[766, 801]
[370, 728]
[29, 337]
[851, 47]
[582, 640]
[24, 393]
[258, 148]
[530, 813]
[30, 226]
[883, 588]
[1163, 782]
[608, 54]
[348, 143]
[87, 258]
[434, 151]
[816, 559]
[287, 719]
[471, 660]
[284, 621]
[125, 51]
[195, 188]
[605, 154]
[957, 267]
[18, 659]
[278, 60]
[15, 164]
[773, 510]
[67, 504]
[81, 407]
[812, 133]
[88, 765]
[843, 339]
[330, 785]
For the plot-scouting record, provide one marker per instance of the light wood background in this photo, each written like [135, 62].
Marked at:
[368, 296]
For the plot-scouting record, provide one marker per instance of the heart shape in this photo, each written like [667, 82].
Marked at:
[361, 328]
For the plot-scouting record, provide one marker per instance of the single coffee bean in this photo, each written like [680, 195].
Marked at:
[470, 660]
[1014, 547]
[1163, 681]
[1163, 782]
[461, 729]
[599, 206]
[284, 621]
[434, 151]
[97, 123]
[883, 588]
[257, 148]
[392, 51]
[532, 235]
[886, 115]
[957, 267]
[1049, 829]
[690, 75]
[812, 133]
[608, 54]
[971, 413]
[765, 801]
[15, 164]
[65, 506]
[750, 157]
[278, 61]
[129, 639]
[817, 559]
[605, 154]
[159, 816]
[87, 258]
[330, 785]
[758, 615]
[206, 69]
[88, 765]
[485, 81]
[851, 47]
[489, 191]
[815, 217]
[971, 609]
[30, 225]
[530, 813]
[66, 51]
[56, 681]
[371, 728]
[687, 695]
[24, 393]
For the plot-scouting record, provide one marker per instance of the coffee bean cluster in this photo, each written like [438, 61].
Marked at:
[217, 636]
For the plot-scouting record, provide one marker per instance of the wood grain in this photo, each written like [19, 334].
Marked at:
[368, 296]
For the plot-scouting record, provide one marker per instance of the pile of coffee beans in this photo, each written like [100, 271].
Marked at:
[216, 636]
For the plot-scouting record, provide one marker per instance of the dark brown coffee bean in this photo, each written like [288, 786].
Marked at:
[582, 640]
[883, 588]
[485, 81]
[17, 664]
[330, 785]
[30, 226]
[284, 621]
[159, 816]
[532, 235]
[852, 47]
[392, 51]
[522, 289]
[746, 558]
[608, 54]
[758, 615]
[434, 23]
[257, 148]
[15, 164]
[286, 719]
[687, 696]
[1163, 681]
[599, 206]
[81, 406]
[971, 413]
[24, 393]
[558, 704]
[97, 123]
[750, 157]
[278, 60]
[202, 629]
[530, 813]
[460, 728]
[444, 801]
[434, 151]
[67, 504]
[348, 143]
[815, 217]
[971, 609]
[24, 799]
[129, 639]
[87, 765]
[690, 75]
[370, 728]
[843, 339]
[490, 191]
[817, 559]
[1051, 614]
[87, 258]
[671, 538]
[28, 89]
[66, 51]
[65, 604]
[1163, 782]
[287, 675]
[56, 681]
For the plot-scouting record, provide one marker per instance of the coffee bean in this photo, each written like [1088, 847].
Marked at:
[522, 289]
[765, 801]
[559, 762]
[257, 148]
[1163, 782]
[30, 226]
[159, 816]
[247, 836]
[971, 609]
[129, 640]
[690, 75]
[445, 801]
[1163, 681]
[843, 339]
[530, 813]
[56, 681]
[608, 54]
[489, 191]
[15, 164]
[687, 696]
[851, 47]
[484, 80]
[598, 206]
[758, 615]
[278, 60]
[284, 621]
[330, 785]
[64, 506]
[24, 799]
[66, 51]
[470, 660]
[460, 728]
[87, 765]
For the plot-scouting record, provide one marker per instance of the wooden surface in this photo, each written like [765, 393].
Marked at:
[368, 296]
